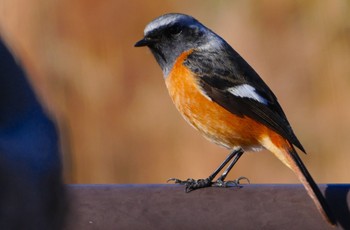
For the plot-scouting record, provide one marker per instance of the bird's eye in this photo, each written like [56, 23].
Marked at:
[175, 31]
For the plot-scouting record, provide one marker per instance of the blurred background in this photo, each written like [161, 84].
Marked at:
[116, 120]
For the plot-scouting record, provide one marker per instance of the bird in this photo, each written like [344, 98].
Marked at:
[223, 97]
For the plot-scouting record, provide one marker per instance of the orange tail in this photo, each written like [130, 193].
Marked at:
[289, 157]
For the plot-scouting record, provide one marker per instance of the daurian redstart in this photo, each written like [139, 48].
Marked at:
[221, 96]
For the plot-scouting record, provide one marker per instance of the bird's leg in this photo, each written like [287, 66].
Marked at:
[192, 184]
[220, 182]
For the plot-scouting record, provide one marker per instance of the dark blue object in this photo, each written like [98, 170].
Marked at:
[31, 189]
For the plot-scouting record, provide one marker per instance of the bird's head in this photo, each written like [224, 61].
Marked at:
[169, 35]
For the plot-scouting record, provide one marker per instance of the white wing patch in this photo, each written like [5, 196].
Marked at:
[247, 91]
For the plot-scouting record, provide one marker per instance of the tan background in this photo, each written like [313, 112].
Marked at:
[118, 124]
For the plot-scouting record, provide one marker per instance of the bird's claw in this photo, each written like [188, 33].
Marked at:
[230, 183]
[192, 184]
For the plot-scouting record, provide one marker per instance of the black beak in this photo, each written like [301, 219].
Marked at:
[144, 42]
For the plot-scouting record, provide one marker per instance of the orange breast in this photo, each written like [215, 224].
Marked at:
[213, 121]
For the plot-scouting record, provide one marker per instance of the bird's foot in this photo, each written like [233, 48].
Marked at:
[192, 184]
[231, 183]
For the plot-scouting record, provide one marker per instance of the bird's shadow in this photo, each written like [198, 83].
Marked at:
[337, 198]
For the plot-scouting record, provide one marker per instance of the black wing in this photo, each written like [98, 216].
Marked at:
[218, 72]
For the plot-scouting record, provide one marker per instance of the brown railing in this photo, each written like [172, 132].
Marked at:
[169, 207]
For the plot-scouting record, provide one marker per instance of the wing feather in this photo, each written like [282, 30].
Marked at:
[218, 72]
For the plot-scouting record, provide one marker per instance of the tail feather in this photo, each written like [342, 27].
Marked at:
[311, 187]
[287, 154]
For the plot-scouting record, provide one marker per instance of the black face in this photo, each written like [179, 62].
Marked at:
[168, 40]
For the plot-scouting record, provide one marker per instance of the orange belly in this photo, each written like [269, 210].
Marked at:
[213, 121]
